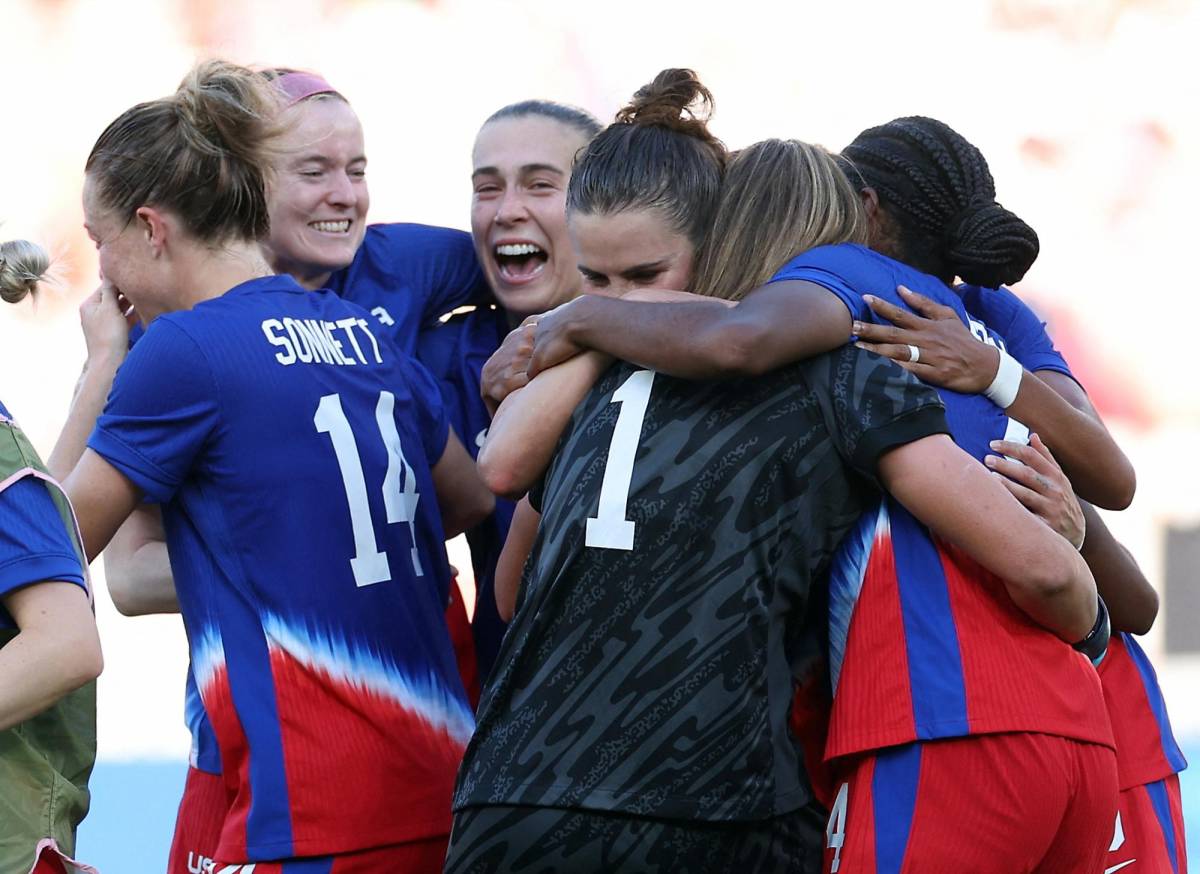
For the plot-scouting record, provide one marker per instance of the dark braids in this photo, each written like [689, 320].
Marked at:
[937, 189]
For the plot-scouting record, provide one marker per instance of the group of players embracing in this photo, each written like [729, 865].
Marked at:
[781, 575]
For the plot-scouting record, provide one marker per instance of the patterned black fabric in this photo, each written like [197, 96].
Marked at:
[657, 680]
[536, 840]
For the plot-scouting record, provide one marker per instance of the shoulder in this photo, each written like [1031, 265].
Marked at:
[413, 239]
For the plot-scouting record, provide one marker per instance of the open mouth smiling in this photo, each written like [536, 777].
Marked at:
[520, 262]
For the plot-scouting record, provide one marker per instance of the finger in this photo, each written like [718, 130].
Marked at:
[894, 314]
[925, 306]
[1030, 456]
[898, 352]
[1029, 499]
[881, 333]
[530, 320]
[1024, 474]
[1036, 442]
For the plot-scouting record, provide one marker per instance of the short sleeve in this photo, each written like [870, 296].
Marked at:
[801, 268]
[872, 405]
[35, 545]
[432, 421]
[441, 266]
[1023, 331]
[160, 413]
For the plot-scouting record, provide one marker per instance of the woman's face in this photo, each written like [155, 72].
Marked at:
[518, 217]
[636, 248]
[318, 199]
[126, 256]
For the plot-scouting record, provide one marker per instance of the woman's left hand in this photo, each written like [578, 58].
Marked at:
[1035, 479]
[948, 355]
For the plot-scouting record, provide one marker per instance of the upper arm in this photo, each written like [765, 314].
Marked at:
[58, 609]
[103, 498]
[463, 498]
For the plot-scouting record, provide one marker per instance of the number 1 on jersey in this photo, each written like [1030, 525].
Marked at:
[369, 565]
[609, 529]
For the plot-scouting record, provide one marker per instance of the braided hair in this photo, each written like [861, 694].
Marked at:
[937, 189]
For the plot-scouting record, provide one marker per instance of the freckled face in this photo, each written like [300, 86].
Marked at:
[125, 256]
[631, 249]
[318, 199]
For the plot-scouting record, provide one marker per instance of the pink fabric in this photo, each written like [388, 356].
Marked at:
[300, 86]
[49, 858]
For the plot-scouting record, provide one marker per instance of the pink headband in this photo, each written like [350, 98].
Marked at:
[301, 86]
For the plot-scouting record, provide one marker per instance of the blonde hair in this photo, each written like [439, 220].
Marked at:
[779, 198]
[22, 266]
[204, 152]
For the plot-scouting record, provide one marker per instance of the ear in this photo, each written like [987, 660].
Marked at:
[155, 226]
[870, 199]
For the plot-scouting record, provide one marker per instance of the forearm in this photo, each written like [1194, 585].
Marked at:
[1099, 471]
[959, 500]
[526, 428]
[705, 338]
[1132, 602]
[140, 580]
[91, 393]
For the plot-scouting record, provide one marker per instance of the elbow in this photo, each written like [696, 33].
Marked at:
[1119, 488]
[1140, 619]
[468, 512]
[124, 595]
[502, 476]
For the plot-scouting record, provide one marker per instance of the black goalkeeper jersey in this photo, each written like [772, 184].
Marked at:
[648, 669]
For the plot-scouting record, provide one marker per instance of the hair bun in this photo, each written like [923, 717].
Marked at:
[22, 266]
[675, 99]
[989, 246]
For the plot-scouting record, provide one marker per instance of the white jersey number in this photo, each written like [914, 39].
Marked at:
[369, 565]
[609, 529]
[835, 832]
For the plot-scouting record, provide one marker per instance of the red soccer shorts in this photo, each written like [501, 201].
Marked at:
[1149, 831]
[198, 823]
[988, 804]
[413, 857]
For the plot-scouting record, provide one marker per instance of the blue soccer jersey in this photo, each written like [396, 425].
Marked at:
[35, 546]
[408, 275]
[924, 643]
[455, 353]
[290, 444]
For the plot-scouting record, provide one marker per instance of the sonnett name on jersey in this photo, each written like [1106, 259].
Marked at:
[316, 341]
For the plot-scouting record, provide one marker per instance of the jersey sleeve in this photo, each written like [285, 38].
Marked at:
[34, 543]
[1023, 331]
[824, 267]
[872, 405]
[432, 420]
[442, 269]
[162, 409]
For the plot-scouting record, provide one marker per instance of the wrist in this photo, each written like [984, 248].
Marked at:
[1095, 644]
[104, 361]
[1007, 382]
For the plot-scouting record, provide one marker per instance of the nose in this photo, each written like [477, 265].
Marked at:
[341, 190]
[511, 208]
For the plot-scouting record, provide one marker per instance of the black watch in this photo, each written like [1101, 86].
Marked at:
[1095, 645]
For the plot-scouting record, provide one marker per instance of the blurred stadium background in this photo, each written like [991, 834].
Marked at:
[1087, 110]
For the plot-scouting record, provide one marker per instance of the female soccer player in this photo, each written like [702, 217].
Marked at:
[49, 649]
[638, 714]
[948, 684]
[405, 274]
[290, 444]
[521, 161]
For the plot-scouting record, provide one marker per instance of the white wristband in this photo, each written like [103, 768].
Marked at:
[1003, 390]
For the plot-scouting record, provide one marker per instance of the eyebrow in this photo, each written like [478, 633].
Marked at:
[661, 263]
[523, 169]
[323, 161]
